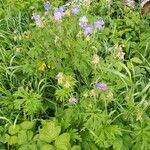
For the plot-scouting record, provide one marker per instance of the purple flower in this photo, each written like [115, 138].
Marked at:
[59, 13]
[99, 23]
[101, 86]
[47, 6]
[36, 18]
[73, 100]
[62, 8]
[83, 21]
[88, 29]
[75, 9]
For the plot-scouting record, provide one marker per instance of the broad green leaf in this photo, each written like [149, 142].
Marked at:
[49, 132]
[63, 142]
[26, 125]
[11, 139]
[47, 147]
[13, 129]
[118, 144]
[28, 146]
[76, 147]
[24, 136]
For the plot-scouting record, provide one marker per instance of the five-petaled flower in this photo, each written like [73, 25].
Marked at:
[75, 9]
[73, 100]
[47, 6]
[59, 13]
[101, 86]
[88, 29]
[36, 18]
[98, 24]
[83, 21]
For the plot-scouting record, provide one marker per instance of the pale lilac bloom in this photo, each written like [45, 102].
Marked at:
[99, 23]
[75, 9]
[62, 8]
[88, 29]
[101, 86]
[36, 18]
[73, 100]
[47, 6]
[83, 21]
[59, 13]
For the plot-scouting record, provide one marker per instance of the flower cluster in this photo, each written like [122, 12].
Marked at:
[59, 13]
[100, 86]
[87, 27]
[67, 82]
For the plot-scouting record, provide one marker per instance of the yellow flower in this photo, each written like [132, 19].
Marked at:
[68, 13]
[87, 38]
[42, 67]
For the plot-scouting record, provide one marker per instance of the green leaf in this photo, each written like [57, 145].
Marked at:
[28, 146]
[11, 139]
[24, 136]
[49, 132]
[48, 147]
[26, 125]
[13, 129]
[118, 144]
[136, 60]
[63, 142]
[76, 147]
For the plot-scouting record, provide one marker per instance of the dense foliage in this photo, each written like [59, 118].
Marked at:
[74, 78]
